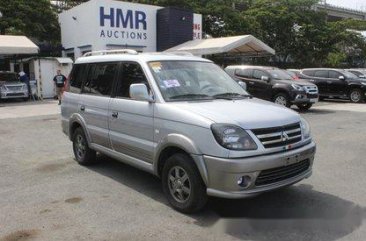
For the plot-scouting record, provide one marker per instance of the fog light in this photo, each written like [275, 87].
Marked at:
[244, 181]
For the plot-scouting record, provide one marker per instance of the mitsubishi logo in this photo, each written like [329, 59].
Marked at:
[284, 136]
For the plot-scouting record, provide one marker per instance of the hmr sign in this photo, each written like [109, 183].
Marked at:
[122, 24]
[108, 24]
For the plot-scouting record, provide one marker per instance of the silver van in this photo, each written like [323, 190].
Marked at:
[185, 120]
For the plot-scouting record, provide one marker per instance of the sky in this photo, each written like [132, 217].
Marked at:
[354, 4]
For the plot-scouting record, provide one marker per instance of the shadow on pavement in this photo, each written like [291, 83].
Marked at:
[292, 214]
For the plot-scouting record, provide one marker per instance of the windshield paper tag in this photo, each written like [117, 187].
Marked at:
[156, 66]
[171, 83]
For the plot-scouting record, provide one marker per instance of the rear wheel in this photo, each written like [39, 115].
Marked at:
[282, 99]
[306, 106]
[183, 185]
[83, 154]
[356, 95]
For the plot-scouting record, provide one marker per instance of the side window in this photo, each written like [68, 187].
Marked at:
[76, 78]
[257, 74]
[321, 74]
[132, 73]
[334, 74]
[308, 72]
[99, 79]
[245, 73]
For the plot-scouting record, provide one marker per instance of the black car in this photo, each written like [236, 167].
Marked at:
[276, 85]
[361, 73]
[336, 83]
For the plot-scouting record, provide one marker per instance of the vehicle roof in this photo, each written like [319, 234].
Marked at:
[323, 69]
[144, 57]
[251, 67]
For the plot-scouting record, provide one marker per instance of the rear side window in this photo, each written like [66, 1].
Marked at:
[245, 73]
[76, 78]
[321, 74]
[308, 72]
[99, 80]
[132, 73]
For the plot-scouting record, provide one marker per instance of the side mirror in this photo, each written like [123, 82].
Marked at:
[265, 78]
[341, 77]
[243, 85]
[140, 92]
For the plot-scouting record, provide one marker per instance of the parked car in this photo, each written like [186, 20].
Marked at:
[361, 73]
[11, 87]
[275, 85]
[336, 83]
[183, 119]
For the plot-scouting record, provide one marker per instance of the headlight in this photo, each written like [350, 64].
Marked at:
[233, 137]
[297, 87]
[305, 128]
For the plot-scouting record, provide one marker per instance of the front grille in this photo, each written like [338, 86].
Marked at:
[279, 136]
[278, 174]
[311, 89]
[15, 94]
[312, 96]
[14, 88]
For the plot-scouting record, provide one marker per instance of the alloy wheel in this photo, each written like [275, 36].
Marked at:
[179, 184]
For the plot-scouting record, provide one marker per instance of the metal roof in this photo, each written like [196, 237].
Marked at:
[243, 45]
[10, 45]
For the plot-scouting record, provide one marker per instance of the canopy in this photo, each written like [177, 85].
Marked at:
[10, 45]
[243, 45]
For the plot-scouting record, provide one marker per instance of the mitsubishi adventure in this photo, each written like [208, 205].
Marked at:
[185, 120]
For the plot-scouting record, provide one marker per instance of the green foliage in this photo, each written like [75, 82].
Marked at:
[33, 18]
[335, 59]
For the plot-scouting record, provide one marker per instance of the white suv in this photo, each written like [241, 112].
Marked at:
[183, 119]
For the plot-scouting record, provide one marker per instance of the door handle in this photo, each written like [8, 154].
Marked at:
[329, 82]
[252, 83]
[115, 114]
[82, 108]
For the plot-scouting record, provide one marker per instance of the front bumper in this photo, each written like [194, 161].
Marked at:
[223, 174]
[305, 98]
[14, 95]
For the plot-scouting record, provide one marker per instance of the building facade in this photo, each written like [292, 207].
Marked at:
[107, 24]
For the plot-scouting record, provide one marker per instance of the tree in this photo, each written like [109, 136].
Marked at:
[33, 18]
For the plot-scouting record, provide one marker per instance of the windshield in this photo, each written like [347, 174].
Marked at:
[8, 77]
[280, 74]
[193, 80]
[349, 75]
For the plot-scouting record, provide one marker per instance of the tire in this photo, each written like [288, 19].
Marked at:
[25, 99]
[282, 99]
[188, 195]
[83, 154]
[356, 95]
[304, 107]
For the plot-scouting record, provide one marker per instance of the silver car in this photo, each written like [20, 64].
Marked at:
[11, 87]
[183, 119]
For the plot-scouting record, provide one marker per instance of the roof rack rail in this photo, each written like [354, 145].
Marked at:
[179, 53]
[112, 51]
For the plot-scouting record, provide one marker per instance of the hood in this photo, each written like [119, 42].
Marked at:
[300, 82]
[247, 113]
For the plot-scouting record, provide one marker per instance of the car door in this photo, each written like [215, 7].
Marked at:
[261, 87]
[94, 101]
[336, 86]
[131, 123]
[320, 79]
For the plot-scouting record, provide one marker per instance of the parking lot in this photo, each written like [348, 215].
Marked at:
[45, 195]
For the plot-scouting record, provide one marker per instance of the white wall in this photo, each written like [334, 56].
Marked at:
[81, 26]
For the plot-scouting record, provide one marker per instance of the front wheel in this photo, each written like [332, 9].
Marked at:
[356, 95]
[83, 154]
[282, 99]
[183, 185]
[303, 107]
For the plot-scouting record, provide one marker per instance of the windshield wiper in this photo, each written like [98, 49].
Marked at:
[187, 96]
[231, 95]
